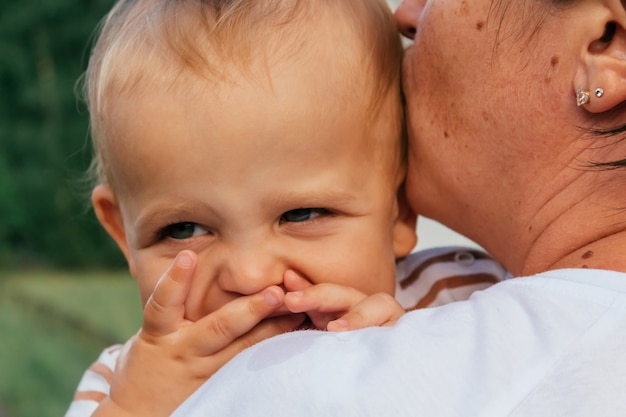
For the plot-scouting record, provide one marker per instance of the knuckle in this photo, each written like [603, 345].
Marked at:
[220, 328]
[154, 305]
[256, 310]
[385, 299]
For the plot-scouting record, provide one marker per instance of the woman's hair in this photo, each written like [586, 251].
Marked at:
[164, 43]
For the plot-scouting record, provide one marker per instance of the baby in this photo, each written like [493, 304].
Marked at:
[249, 148]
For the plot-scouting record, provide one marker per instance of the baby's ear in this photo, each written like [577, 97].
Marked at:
[109, 215]
[404, 228]
[600, 80]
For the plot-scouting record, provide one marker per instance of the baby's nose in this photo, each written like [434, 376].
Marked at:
[248, 271]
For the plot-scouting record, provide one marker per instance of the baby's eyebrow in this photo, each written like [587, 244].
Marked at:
[158, 215]
[311, 198]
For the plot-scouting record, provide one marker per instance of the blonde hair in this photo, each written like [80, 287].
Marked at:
[169, 41]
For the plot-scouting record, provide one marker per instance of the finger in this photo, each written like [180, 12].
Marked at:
[376, 310]
[294, 282]
[165, 309]
[220, 328]
[266, 329]
[324, 302]
[210, 363]
[323, 298]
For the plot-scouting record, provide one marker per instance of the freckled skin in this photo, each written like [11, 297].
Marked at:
[464, 8]
[484, 108]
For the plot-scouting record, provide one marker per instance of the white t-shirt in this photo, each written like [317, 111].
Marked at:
[549, 345]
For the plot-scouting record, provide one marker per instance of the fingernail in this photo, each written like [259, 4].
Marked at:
[184, 259]
[296, 293]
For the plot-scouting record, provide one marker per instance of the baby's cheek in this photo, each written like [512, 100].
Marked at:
[205, 297]
[145, 290]
[384, 279]
[147, 280]
[379, 277]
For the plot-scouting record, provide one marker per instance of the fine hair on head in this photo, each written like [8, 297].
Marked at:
[144, 44]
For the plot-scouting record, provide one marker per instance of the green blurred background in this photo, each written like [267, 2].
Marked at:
[64, 290]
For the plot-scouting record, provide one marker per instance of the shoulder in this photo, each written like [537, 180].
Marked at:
[484, 356]
[442, 275]
[95, 383]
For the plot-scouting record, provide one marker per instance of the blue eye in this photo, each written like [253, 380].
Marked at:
[302, 215]
[183, 230]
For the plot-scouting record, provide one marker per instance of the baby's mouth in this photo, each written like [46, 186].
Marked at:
[307, 324]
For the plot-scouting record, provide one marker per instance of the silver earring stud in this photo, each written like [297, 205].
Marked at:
[582, 97]
[599, 92]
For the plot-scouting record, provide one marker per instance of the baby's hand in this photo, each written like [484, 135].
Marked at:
[336, 307]
[170, 357]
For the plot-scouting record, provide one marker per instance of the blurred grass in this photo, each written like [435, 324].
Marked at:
[52, 327]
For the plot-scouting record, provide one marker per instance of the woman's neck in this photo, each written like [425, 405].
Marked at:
[594, 238]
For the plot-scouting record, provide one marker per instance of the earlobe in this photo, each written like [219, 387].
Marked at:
[600, 81]
[109, 215]
[404, 228]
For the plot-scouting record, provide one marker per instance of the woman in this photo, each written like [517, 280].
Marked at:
[515, 122]
[500, 150]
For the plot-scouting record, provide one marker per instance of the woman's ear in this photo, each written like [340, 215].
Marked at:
[108, 212]
[404, 228]
[600, 81]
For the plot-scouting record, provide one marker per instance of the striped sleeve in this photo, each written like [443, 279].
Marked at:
[95, 384]
[438, 276]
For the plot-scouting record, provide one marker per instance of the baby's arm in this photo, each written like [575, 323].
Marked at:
[170, 357]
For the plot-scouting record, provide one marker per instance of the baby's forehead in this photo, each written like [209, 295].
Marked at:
[300, 109]
[293, 105]
[244, 132]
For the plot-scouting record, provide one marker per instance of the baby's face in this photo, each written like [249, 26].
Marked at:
[256, 182]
